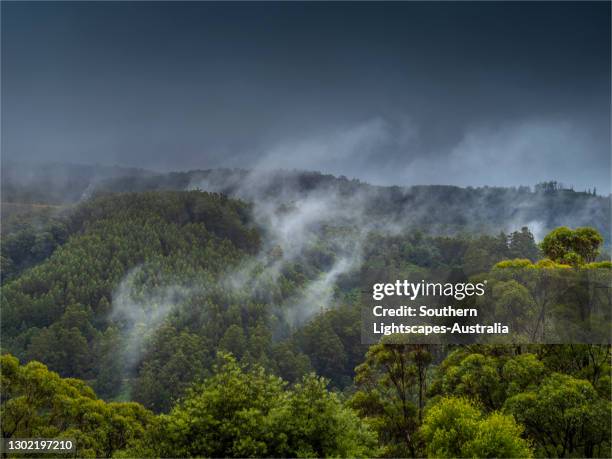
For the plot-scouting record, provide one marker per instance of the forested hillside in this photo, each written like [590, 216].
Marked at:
[213, 326]
[434, 208]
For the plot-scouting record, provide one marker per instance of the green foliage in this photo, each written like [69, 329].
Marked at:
[59, 311]
[171, 362]
[582, 361]
[391, 387]
[522, 244]
[549, 301]
[318, 425]
[240, 412]
[36, 402]
[565, 416]
[487, 379]
[331, 340]
[572, 246]
[454, 427]
[24, 246]
[137, 292]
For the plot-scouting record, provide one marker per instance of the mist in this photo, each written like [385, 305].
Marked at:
[393, 93]
[140, 313]
[390, 98]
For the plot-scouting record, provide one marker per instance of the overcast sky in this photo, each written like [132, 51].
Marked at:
[392, 93]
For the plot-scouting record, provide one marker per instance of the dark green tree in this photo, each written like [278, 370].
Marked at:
[565, 416]
[391, 388]
[247, 412]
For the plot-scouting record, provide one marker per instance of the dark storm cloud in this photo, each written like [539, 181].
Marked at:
[404, 93]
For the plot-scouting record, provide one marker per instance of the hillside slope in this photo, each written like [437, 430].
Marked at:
[438, 208]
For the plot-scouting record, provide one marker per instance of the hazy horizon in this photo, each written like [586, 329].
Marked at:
[466, 94]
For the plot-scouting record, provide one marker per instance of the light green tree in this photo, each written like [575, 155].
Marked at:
[577, 246]
[487, 379]
[454, 427]
[36, 402]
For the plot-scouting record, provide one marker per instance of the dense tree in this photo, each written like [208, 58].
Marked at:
[246, 412]
[521, 244]
[318, 425]
[550, 302]
[583, 361]
[487, 378]
[172, 361]
[453, 427]
[577, 246]
[565, 416]
[136, 292]
[110, 364]
[391, 387]
[36, 402]
[59, 310]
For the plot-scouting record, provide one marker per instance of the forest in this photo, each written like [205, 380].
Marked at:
[218, 314]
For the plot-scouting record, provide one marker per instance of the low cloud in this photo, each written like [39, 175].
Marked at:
[515, 154]
[139, 313]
